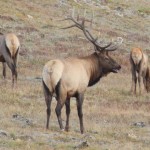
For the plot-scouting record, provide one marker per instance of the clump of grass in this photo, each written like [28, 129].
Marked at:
[145, 10]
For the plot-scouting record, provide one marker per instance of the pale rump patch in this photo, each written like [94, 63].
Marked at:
[52, 73]
[12, 43]
[136, 54]
[139, 69]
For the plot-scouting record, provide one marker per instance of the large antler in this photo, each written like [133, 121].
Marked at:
[88, 35]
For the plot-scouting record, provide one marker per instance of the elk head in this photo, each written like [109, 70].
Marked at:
[106, 63]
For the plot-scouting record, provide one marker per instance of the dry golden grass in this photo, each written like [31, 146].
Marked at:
[109, 114]
[109, 109]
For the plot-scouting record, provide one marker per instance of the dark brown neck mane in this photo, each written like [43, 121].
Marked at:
[93, 67]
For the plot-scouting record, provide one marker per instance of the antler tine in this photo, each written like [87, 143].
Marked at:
[78, 25]
[95, 39]
[74, 25]
[91, 39]
[112, 48]
[99, 47]
[81, 27]
[108, 45]
[70, 18]
[89, 36]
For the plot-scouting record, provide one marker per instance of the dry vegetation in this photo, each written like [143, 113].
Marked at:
[113, 118]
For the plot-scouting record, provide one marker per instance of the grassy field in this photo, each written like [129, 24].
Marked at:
[113, 118]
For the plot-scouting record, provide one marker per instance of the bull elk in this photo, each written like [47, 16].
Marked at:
[70, 77]
[9, 50]
[139, 70]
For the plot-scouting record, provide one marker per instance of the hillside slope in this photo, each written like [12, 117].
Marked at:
[113, 118]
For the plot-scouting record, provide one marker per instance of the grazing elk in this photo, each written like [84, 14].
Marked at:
[9, 50]
[139, 69]
[70, 77]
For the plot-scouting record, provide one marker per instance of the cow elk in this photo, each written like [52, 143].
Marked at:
[139, 70]
[70, 77]
[9, 50]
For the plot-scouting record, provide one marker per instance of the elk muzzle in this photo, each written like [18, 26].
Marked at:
[116, 69]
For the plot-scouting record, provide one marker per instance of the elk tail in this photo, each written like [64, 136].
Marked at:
[52, 74]
[45, 88]
[7, 56]
[12, 43]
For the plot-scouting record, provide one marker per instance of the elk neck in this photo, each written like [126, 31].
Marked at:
[93, 68]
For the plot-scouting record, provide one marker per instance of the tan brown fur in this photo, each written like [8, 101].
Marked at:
[12, 42]
[70, 77]
[51, 75]
[136, 54]
[9, 53]
[139, 68]
[56, 70]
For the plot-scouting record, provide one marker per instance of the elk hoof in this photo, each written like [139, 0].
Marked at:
[66, 129]
[82, 131]
[62, 130]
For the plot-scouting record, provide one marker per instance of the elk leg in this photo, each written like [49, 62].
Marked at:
[14, 77]
[4, 70]
[15, 60]
[80, 98]
[61, 97]
[48, 99]
[58, 113]
[13, 70]
[144, 81]
[134, 82]
[139, 80]
[67, 103]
